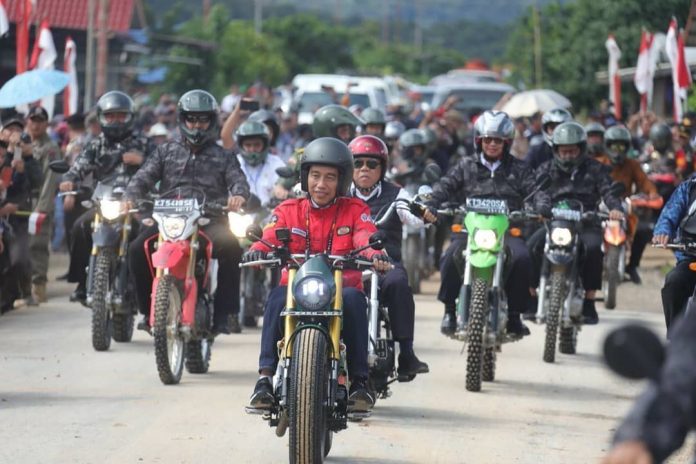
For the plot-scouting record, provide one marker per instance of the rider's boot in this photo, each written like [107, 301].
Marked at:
[516, 327]
[361, 399]
[449, 320]
[262, 398]
[144, 323]
[80, 294]
[234, 326]
[410, 365]
[632, 272]
[589, 312]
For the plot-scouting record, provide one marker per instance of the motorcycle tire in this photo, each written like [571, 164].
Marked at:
[198, 356]
[411, 260]
[169, 344]
[488, 371]
[328, 441]
[123, 327]
[102, 325]
[612, 277]
[478, 315]
[309, 378]
[568, 340]
[556, 297]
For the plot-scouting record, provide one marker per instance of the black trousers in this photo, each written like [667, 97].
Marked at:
[16, 281]
[591, 256]
[643, 236]
[396, 294]
[679, 286]
[517, 275]
[226, 250]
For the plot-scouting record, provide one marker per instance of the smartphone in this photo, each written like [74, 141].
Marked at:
[249, 105]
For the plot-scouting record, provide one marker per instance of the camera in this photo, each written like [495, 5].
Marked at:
[25, 138]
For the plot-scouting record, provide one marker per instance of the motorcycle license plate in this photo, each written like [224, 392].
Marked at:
[175, 206]
[566, 214]
[486, 206]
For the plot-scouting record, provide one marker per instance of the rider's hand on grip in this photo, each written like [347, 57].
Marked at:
[253, 255]
[382, 263]
[660, 239]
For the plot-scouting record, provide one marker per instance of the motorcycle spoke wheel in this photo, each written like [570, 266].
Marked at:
[102, 327]
[169, 345]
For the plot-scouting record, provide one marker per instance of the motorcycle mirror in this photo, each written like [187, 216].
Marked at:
[424, 190]
[252, 204]
[617, 188]
[254, 233]
[432, 172]
[285, 171]
[377, 240]
[543, 182]
[634, 351]
[59, 166]
[282, 234]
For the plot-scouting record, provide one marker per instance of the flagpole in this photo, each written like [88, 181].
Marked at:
[89, 62]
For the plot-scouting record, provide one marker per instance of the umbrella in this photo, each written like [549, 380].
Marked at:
[529, 102]
[32, 86]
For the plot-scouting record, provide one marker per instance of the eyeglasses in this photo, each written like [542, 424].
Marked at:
[371, 164]
[194, 118]
[618, 147]
[496, 140]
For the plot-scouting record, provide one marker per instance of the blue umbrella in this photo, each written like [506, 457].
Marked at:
[32, 86]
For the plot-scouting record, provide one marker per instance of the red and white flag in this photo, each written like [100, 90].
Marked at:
[44, 57]
[614, 79]
[23, 34]
[4, 23]
[644, 71]
[681, 76]
[36, 219]
[70, 93]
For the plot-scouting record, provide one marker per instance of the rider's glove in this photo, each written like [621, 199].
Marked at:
[253, 255]
[382, 257]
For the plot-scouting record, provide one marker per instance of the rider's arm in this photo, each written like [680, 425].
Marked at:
[666, 412]
[147, 176]
[407, 218]
[451, 184]
[363, 228]
[237, 184]
[673, 212]
[604, 183]
[84, 163]
[278, 220]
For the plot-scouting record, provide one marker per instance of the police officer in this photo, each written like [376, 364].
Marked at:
[495, 173]
[328, 221]
[576, 176]
[370, 159]
[542, 152]
[194, 164]
[114, 155]
[335, 121]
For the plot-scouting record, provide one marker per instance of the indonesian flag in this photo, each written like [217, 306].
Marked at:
[44, 57]
[644, 71]
[23, 34]
[35, 221]
[71, 91]
[681, 76]
[614, 79]
[4, 23]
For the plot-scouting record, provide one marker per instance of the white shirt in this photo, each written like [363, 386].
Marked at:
[262, 178]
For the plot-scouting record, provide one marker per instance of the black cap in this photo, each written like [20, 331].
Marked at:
[76, 121]
[9, 117]
[38, 112]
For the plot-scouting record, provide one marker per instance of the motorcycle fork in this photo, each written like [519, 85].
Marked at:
[374, 319]
[465, 293]
[494, 292]
[121, 283]
[92, 257]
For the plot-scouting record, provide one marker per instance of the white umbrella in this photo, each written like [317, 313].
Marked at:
[529, 102]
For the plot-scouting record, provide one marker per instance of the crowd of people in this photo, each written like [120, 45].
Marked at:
[347, 164]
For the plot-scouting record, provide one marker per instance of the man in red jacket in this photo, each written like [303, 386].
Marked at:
[326, 222]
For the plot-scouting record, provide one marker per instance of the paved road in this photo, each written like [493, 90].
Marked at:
[61, 402]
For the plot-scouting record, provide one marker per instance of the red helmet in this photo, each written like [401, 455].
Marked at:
[374, 147]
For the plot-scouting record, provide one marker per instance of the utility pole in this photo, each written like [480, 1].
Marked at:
[102, 47]
[206, 11]
[89, 61]
[537, 45]
[258, 16]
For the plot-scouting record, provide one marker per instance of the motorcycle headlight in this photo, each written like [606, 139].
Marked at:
[239, 223]
[312, 293]
[173, 226]
[485, 239]
[561, 236]
[110, 209]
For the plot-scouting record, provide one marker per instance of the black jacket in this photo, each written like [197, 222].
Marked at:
[23, 184]
[539, 154]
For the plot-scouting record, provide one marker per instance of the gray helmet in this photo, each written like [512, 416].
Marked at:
[249, 130]
[569, 133]
[429, 137]
[494, 124]
[200, 102]
[661, 137]
[328, 151]
[595, 149]
[270, 120]
[618, 142]
[409, 141]
[555, 116]
[116, 102]
[328, 118]
[373, 116]
[393, 130]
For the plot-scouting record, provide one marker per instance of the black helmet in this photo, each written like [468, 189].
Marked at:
[269, 119]
[328, 118]
[374, 116]
[494, 124]
[595, 128]
[116, 102]
[409, 141]
[618, 142]
[328, 151]
[555, 116]
[661, 137]
[198, 101]
[249, 130]
[569, 133]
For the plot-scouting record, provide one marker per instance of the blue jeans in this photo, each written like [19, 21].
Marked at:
[354, 330]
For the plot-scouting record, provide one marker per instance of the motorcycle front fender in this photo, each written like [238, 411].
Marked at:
[106, 235]
[559, 258]
[173, 256]
[614, 234]
[483, 259]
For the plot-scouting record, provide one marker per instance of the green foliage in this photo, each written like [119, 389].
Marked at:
[573, 36]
